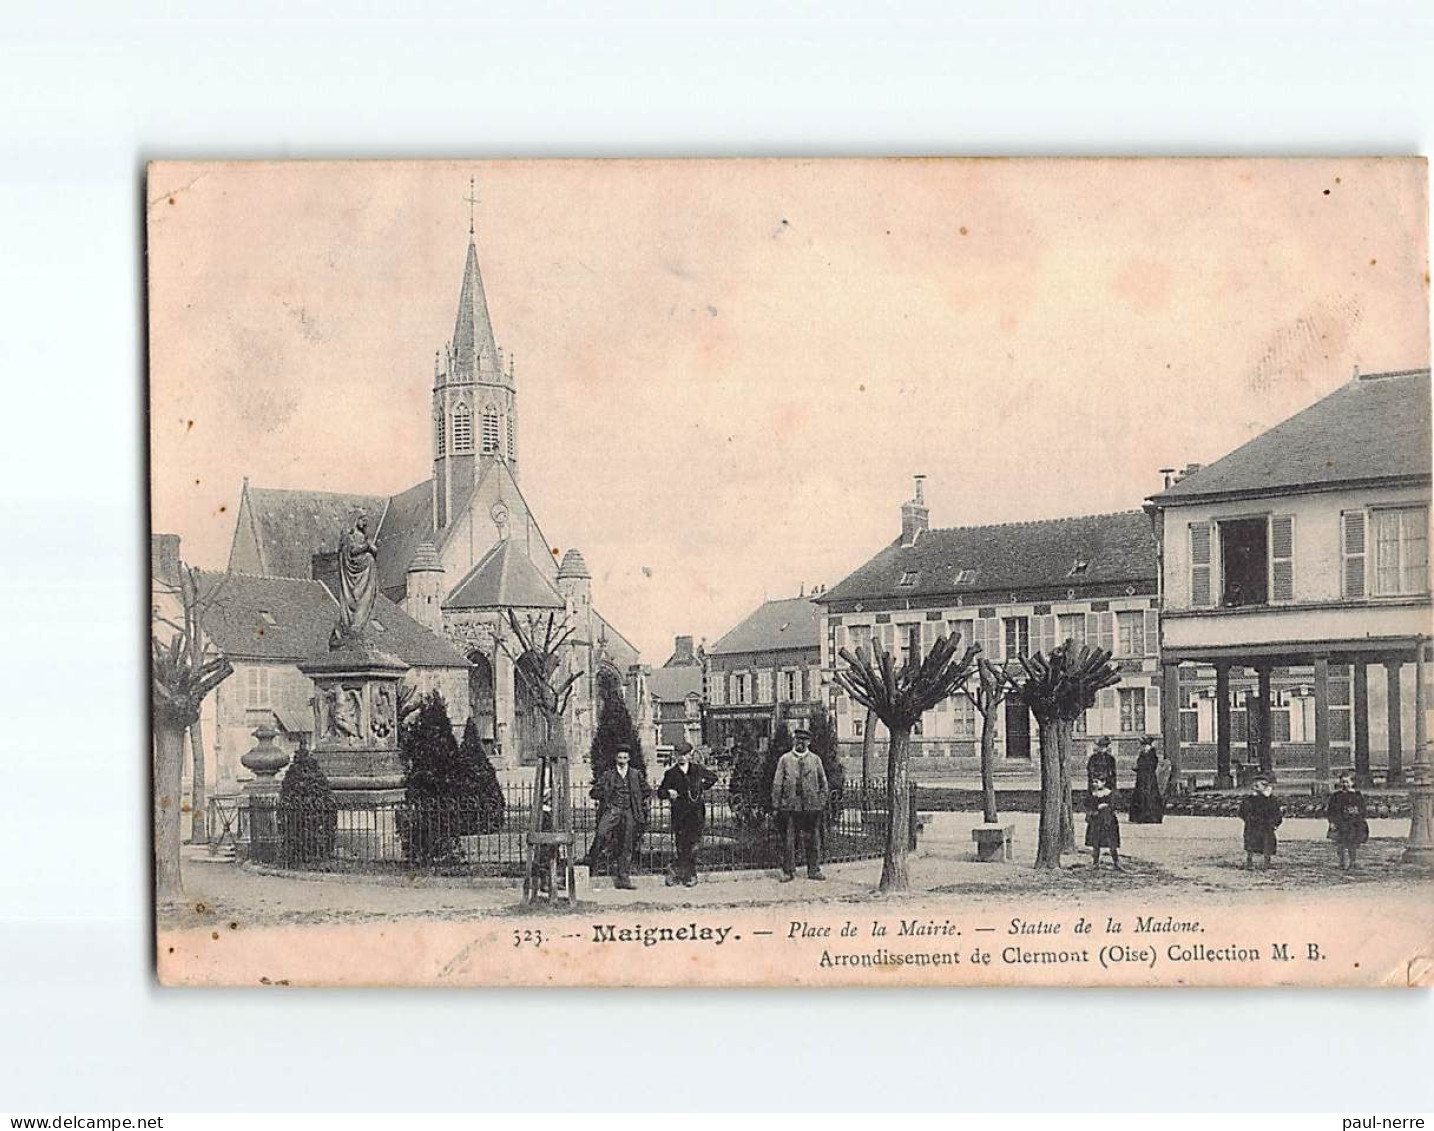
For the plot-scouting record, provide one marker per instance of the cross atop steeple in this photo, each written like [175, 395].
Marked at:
[472, 199]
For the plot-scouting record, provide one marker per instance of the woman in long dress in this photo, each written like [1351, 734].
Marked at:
[1102, 830]
[1147, 806]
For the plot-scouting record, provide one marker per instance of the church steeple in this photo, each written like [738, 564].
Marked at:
[475, 414]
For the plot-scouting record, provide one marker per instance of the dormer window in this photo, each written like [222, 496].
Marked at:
[267, 617]
[1079, 567]
[909, 577]
[965, 576]
[377, 624]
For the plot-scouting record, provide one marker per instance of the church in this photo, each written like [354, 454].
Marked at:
[461, 550]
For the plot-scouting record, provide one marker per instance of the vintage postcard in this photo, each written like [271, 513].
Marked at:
[791, 572]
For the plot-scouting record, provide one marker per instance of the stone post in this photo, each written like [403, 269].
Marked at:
[1395, 717]
[1223, 778]
[1321, 719]
[1363, 779]
[265, 761]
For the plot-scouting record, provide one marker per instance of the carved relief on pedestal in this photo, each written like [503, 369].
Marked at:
[384, 714]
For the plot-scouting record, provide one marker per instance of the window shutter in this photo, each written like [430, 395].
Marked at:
[1107, 631]
[1282, 557]
[1200, 572]
[1354, 553]
[1092, 629]
[1152, 632]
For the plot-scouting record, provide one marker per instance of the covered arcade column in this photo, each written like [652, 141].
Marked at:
[1264, 750]
[1420, 849]
[1224, 779]
[1396, 718]
[1321, 720]
[1363, 779]
[1170, 718]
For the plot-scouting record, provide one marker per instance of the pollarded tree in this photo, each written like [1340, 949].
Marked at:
[992, 685]
[900, 696]
[182, 673]
[1057, 688]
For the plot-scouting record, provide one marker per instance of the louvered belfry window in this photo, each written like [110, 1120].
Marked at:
[440, 433]
[462, 429]
[490, 432]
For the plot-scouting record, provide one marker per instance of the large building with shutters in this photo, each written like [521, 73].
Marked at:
[1014, 588]
[1297, 568]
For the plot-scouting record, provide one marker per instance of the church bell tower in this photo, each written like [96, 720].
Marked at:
[475, 408]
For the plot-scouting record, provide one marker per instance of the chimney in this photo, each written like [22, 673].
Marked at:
[164, 558]
[914, 515]
[324, 567]
[1168, 474]
[682, 656]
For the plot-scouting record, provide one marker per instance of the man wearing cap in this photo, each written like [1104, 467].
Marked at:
[799, 798]
[1101, 765]
[684, 785]
[622, 796]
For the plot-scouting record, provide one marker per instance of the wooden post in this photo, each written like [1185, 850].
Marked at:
[1223, 778]
[1266, 751]
[1363, 779]
[1170, 716]
[1321, 690]
[1396, 722]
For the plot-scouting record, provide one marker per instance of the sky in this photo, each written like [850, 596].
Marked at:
[729, 371]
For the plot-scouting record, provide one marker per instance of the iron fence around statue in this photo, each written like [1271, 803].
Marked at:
[457, 837]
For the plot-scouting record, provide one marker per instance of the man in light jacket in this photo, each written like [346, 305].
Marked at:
[799, 798]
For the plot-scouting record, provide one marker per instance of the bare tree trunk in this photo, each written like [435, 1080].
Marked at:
[1053, 801]
[168, 771]
[1063, 743]
[868, 740]
[894, 875]
[198, 792]
[988, 767]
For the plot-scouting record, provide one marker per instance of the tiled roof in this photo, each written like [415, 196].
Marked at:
[1010, 557]
[292, 526]
[790, 623]
[673, 684]
[573, 565]
[620, 650]
[504, 578]
[407, 524]
[284, 619]
[1376, 427]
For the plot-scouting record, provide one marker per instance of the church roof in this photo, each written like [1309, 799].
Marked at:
[473, 330]
[793, 622]
[1374, 428]
[407, 524]
[291, 526]
[504, 578]
[283, 619]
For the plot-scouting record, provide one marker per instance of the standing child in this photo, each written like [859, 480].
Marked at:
[1102, 830]
[1262, 816]
[1348, 820]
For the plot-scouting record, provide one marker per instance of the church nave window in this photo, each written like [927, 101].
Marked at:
[462, 429]
[490, 432]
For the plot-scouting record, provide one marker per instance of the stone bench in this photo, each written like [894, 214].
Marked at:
[994, 842]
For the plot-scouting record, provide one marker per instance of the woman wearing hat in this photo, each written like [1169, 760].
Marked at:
[1348, 820]
[1101, 765]
[684, 785]
[1147, 806]
[1102, 829]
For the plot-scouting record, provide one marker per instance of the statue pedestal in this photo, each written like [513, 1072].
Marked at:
[356, 743]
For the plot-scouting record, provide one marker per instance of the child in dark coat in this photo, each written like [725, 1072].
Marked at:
[1348, 820]
[1262, 816]
[1102, 830]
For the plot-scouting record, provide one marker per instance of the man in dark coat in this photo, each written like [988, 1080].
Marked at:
[1101, 766]
[622, 798]
[684, 785]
